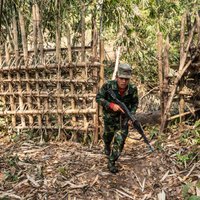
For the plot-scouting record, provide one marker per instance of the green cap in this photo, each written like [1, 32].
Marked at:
[124, 71]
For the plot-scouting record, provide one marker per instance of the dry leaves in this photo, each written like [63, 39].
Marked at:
[71, 171]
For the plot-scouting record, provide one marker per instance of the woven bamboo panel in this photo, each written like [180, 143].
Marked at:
[58, 96]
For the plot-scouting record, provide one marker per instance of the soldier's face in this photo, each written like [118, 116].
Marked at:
[122, 82]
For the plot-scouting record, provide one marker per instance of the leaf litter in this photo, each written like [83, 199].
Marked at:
[69, 170]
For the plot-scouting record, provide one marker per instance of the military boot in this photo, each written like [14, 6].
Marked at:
[107, 149]
[111, 166]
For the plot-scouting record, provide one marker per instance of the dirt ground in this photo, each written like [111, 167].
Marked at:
[68, 170]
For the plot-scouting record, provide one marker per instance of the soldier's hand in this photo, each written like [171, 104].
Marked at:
[117, 108]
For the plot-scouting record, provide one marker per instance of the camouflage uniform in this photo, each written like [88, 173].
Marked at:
[115, 123]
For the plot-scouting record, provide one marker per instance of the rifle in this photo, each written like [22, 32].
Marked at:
[135, 122]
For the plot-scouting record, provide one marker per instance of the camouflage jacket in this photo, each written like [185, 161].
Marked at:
[130, 98]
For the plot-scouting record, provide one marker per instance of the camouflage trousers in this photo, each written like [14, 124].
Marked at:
[115, 134]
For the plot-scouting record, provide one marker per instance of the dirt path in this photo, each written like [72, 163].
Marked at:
[71, 171]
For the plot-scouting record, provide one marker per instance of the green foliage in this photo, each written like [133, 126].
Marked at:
[192, 137]
[10, 176]
[185, 157]
[186, 194]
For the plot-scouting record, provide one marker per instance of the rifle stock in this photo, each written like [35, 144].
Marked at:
[135, 122]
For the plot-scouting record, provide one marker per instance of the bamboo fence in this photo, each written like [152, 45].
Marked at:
[184, 86]
[51, 89]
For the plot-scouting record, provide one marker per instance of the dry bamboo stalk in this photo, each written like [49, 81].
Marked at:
[183, 114]
[7, 54]
[160, 70]
[39, 32]
[59, 102]
[69, 48]
[58, 31]
[24, 40]
[34, 30]
[82, 31]
[101, 61]
[29, 99]
[101, 75]
[12, 102]
[95, 74]
[2, 98]
[46, 97]
[10, 88]
[177, 79]
[94, 37]
[15, 38]
[47, 80]
[182, 35]
[21, 104]
[96, 116]
[182, 42]
[84, 72]
[55, 111]
[51, 66]
[71, 128]
[48, 94]
[39, 117]
[73, 105]
[166, 73]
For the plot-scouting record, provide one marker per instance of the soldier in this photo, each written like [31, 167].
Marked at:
[115, 122]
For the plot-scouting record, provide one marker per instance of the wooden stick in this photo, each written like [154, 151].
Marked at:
[50, 66]
[39, 112]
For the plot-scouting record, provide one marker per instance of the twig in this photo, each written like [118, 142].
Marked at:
[125, 194]
[142, 185]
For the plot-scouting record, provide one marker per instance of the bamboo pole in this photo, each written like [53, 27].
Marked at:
[10, 87]
[160, 70]
[177, 79]
[51, 66]
[24, 40]
[58, 31]
[95, 74]
[101, 81]
[59, 104]
[82, 31]
[51, 127]
[182, 42]
[34, 30]
[83, 58]
[15, 38]
[69, 48]
[39, 111]
[94, 37]
[166, 74]
[44, 94]
[39, 32]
